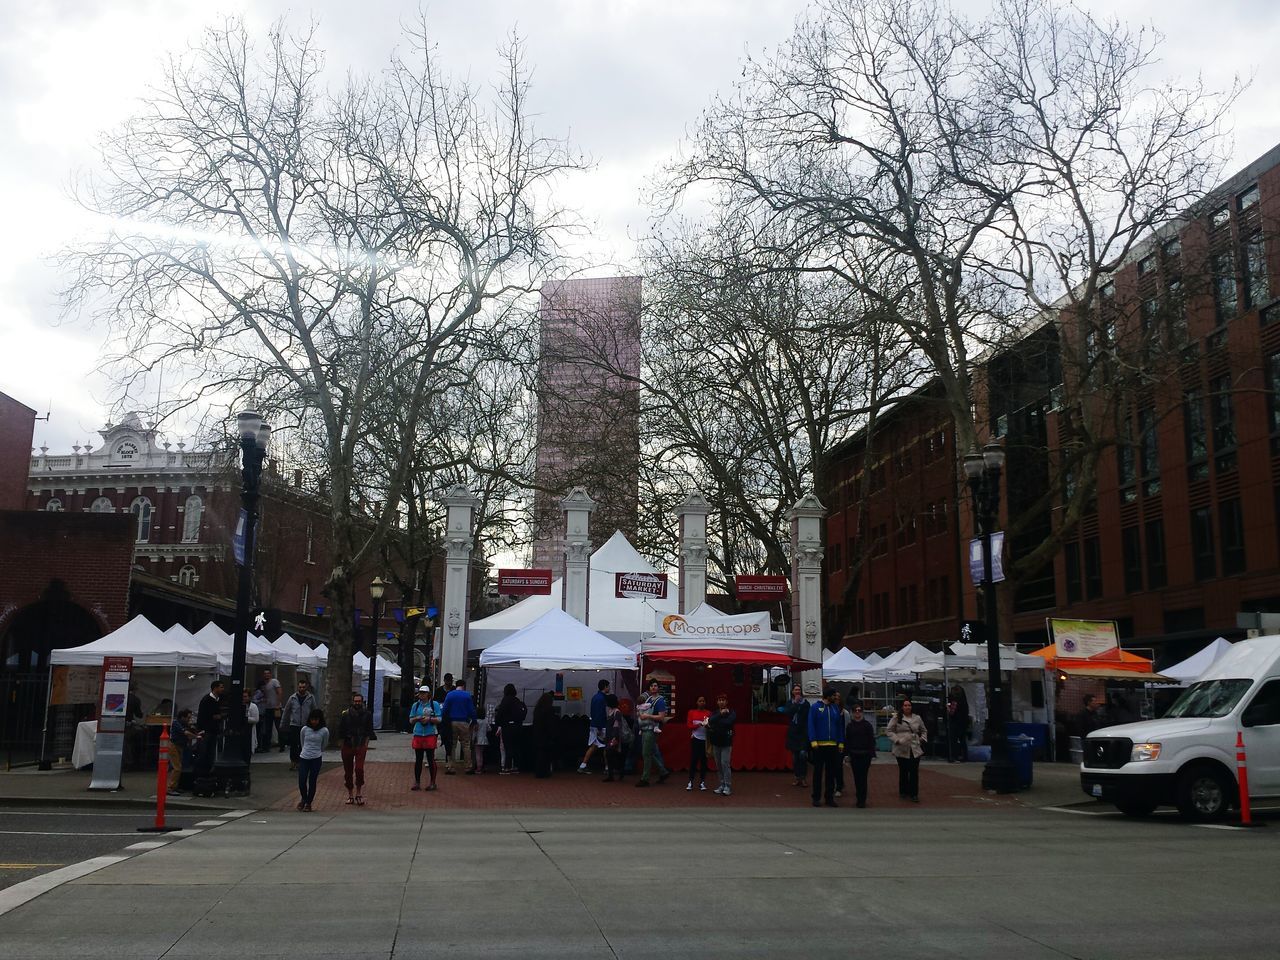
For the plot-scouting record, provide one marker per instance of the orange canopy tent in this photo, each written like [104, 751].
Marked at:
[1113, 664]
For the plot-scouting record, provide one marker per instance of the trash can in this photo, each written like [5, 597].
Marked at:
[1021, 753]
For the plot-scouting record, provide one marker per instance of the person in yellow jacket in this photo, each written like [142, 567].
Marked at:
[826, 746]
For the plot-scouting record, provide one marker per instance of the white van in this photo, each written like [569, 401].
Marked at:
[1187, 758]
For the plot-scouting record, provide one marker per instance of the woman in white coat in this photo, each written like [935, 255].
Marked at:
[907, 735]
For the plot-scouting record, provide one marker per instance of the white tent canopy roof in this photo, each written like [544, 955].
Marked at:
[1191, 669]
[973, 656]
[303, 655]
[556, 641]
[143, 641]
[625, 620]
[212, 638]
[360, 665]
[902, 664]
[844, 664]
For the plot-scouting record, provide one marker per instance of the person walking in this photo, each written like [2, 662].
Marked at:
[699, 749]
[460, 714]
[845, 717]
[596, 732]
[617, 737]
[907, 735]
[652, 715]
[251, 719]
[296, 710]
[509, 717]
[267, 697]
[797, 712]
[313, 737]
[957, 726]
[860, 748]
[544, 735]
[355, 729]
[446, 732]
[720, 736]
[826, 744]
[209, 717]
[424, 719]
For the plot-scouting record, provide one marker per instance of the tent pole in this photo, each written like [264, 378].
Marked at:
[44, 730]
[173, 701]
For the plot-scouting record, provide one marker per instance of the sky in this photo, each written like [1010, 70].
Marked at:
[623, 79]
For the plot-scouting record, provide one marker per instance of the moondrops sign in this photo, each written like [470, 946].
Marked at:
[641, 585]
[534, 581]
[750, 587]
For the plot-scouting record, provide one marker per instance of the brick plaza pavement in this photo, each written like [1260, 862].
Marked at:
[387, 788]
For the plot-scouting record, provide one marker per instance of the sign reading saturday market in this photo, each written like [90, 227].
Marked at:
[1081, 639]
[652, 586]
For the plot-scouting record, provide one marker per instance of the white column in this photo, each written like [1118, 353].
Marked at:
[577, 508]
[461, 505]
[693, 550]
[806, 586]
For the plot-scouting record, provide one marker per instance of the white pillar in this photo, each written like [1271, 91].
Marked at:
[693, 550]
[459, 543]
[806, 586]
[577, 507]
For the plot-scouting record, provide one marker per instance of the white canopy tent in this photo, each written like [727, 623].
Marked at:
[1192, 668]
[625, 620]
[556, 641]
[142, 641]
[902, 664]
[303, 656]
[844, 665]
[211, 638]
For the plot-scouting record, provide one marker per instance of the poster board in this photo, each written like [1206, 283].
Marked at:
[1082, 639]
[113, 707]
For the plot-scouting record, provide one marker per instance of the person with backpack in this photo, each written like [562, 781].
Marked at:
[424, 718]
[509, 717]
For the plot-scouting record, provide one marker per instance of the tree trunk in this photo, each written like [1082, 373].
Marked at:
[342, 641]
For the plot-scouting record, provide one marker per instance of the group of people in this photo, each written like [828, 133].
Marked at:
[826, 734]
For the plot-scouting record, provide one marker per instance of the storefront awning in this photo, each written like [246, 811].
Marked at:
[760, 658]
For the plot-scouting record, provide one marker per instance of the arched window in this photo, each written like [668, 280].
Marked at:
[54, 505]
[102, 505]
[141, 509]
[187, 576]
[191, 519]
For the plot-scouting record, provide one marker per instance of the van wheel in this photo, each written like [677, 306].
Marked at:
[1204, 793]
[1136, 808]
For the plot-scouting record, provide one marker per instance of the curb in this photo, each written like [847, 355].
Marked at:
[130, 803]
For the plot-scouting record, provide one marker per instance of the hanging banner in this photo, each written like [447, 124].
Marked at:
[749, 587]
[536, 581]
[976, 566]
[683, 631]
[1081, 639]
[652, 586]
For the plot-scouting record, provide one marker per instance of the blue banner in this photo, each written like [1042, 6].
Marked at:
[237, 540]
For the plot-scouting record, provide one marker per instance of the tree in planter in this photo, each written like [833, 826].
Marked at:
[316, 253]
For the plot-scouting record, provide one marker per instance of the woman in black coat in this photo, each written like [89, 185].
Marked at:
[797, 710]
[544, 735]
[508, 718]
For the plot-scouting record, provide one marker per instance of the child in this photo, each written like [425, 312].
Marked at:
[479, 741]
[698, 747]
[312, 739]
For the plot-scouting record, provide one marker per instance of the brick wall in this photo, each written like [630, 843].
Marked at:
[17, 427]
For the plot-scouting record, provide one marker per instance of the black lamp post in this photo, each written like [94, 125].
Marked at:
[254, 436]
[376, 589]
[982, 471]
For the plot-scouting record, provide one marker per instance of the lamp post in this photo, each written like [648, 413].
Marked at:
[254, 436]
[376, 589]
[982, 471]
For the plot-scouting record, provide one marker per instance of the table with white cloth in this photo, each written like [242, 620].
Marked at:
[86, 742]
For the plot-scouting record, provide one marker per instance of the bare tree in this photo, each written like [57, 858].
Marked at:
[319, 253]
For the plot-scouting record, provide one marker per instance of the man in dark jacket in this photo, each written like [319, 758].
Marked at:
[860, 747]
[296, 710]
[798, 733]
[826, 741]
[209, 717]
[596, 739]
[355, 729]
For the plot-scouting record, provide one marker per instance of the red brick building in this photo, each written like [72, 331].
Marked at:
[1184, 530]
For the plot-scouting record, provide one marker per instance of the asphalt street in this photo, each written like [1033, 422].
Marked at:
[38, 840]
[1002, 881]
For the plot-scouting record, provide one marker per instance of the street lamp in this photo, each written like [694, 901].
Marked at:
[982, 471]
[376, 589]
[254, 436]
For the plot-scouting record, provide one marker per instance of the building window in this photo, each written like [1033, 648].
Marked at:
[1231, 532]
[1197, 439]
[54, 505]
[1071, 561]
[1172, 248]
[1176, 312]
[861, 619]
[1126, 462]
[1108, 291]
[944, 596]
[1202, 554]
[1220, 217]
[1149, 452]
[1247, 199]
[187, 576]
[102, 505]
[141, 508]
[309, 528]
[1157, 572]
[1222, 416]
[1273, 391]
[834, 561]
[1092, 568]
[191, 515]
[306, 596]
[1146, 265]
[1225, 303]
[1131, 542]
[1257, 283]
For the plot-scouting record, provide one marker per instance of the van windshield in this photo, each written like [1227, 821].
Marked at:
[1209, 698]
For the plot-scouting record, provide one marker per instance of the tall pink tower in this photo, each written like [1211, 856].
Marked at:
[588, 409]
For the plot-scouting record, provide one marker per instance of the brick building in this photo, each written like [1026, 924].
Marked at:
[1183, 532]
[588, 409]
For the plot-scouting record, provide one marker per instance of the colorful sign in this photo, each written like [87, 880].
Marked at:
[535, 581]
[977, 568]
[113, 705]
[651, 586]
[1081, 639]
[750, 587]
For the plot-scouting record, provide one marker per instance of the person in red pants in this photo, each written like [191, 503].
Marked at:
[355, 728]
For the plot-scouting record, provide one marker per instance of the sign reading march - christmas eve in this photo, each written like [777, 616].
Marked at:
[533, 581]
[652, 586]
[760, 588]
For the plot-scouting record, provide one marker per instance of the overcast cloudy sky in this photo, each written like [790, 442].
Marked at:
[622, 78]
